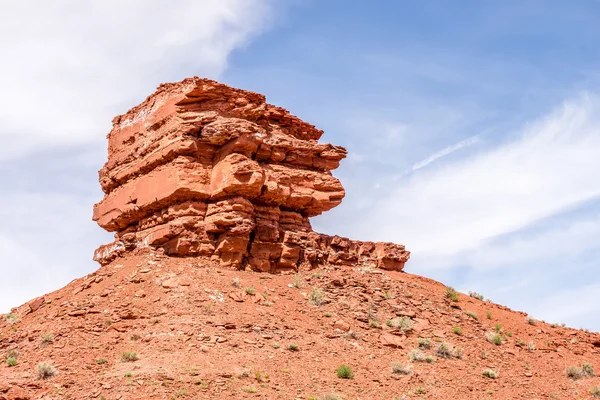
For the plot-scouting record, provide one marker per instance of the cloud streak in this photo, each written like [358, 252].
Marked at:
[548, 167]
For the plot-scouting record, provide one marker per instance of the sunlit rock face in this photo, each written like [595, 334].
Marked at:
[200, 169]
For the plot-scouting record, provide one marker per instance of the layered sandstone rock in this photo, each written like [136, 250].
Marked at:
[203, 169]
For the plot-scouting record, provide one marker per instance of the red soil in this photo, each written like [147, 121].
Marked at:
[198, 336]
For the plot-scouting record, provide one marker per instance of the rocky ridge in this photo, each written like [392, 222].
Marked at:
[203, 169]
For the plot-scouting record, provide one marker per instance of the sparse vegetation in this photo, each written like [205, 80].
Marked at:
[424, 343]
[45, 371]
[388, 295]
[298, 281]
[329, 396]
[585, 371]
[250, 290]
[101, 361]
[403, 324]
[488, 315]
[327, 314]
[47, 338]
[399, 368]
[344, 372]
[472, 314]
[457, 330]
[444, 350]
[129, 356]
[595, 392]
[11, 361]
[416, 355]
[373, 324]
[451, 293]
[293, 347]
[490, 373]
[476, 295]
[11, 318]
[249, 389]
[531, 321]
[498, 328]
[317, 296]
[531, 346]
[494, 338]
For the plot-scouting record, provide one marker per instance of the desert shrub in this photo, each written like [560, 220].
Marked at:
[424, 343]
[101, 361]
[531, 346]
[11, 361]
[298, 281]
[472, 314]
[344, 372]
[399, 368]
[457, 330]
[129, 356]
[531, 320]
[316, 297]
[374, 324]
[488, 315]
[250, 290]
[444, 350]
[330, 396]
[429, 359]
[416, 355]
[458, 352]
[47, 338]
[588, 369]
[490, 373]
[493, 338]
[451, 293]
[403, 324]
[12, 353]
[327, 314]
[498, 328]
[476, 295]
[11, 318]
[293, 347]
[585, 371]
[595, 392]
[45, 371]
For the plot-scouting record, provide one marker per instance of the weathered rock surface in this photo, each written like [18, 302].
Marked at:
[203, 169]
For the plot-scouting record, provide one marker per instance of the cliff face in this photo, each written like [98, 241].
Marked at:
[203, 169]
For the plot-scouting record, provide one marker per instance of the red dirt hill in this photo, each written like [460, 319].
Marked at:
[216, 287]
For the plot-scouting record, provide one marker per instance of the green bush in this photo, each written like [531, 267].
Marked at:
[129, 356]
[344, 372]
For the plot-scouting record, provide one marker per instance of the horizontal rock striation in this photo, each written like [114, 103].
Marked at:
[203, 169]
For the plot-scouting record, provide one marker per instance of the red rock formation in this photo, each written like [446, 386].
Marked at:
[202, 169]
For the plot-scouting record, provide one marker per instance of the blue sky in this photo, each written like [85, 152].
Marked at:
[473, 128]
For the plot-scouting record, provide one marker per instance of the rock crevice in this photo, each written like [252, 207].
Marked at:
[203, 169]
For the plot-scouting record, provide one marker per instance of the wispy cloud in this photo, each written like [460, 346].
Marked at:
[549, 166]
[445, 151]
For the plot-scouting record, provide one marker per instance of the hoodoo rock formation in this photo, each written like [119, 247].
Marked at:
[203, 169]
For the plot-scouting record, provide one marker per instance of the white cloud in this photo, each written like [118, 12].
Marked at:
[445, 151]
[69, 66]
[548, 167]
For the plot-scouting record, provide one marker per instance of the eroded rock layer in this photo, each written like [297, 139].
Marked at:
[203, 169]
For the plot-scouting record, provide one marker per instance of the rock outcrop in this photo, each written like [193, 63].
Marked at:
[203, 169]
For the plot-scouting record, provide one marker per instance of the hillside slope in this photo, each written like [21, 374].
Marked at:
[203, 332]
